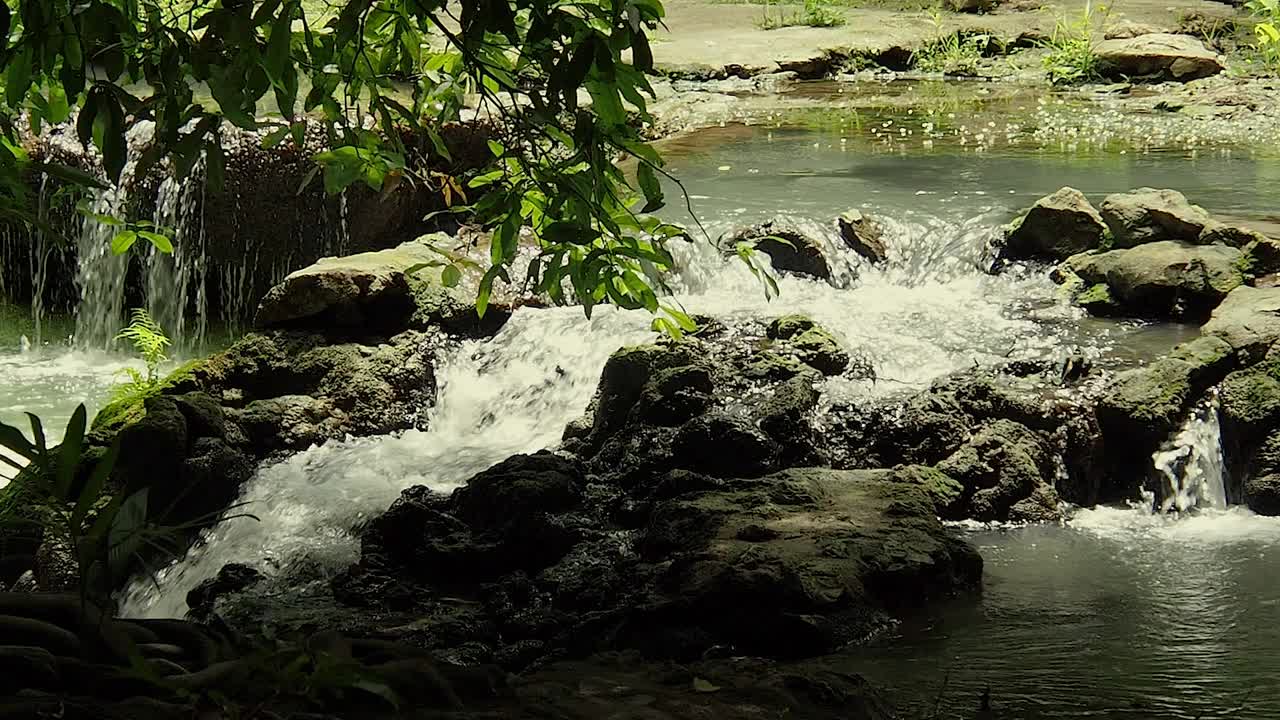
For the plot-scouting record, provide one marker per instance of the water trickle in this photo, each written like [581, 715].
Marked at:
[513, 393]
[175, 283]
[1193, 466]
[102, 273]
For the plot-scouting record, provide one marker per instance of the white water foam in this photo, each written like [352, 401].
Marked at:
[1193, 466]
[515, 392]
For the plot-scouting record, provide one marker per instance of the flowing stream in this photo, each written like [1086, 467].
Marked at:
[1119, 614]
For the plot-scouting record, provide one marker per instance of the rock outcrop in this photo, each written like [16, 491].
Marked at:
[864, 235]
[1055, 228]
[1157, 56]
[1164, 279]
[1149, 215]
[790, 249]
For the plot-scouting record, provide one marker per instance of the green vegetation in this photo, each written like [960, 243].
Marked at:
[382, 77]
[951, 53]
[815, 13]
[1072, 58]
[1267, 33]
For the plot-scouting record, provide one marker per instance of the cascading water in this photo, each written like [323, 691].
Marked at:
[175, 283]
[516, 391]
[1193, 467]
[102, 273]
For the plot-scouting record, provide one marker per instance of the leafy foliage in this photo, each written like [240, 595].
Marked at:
[951, 53]
[1267, 32]
[815, 13]
[148, 340]
[383, 77]
[1072, 58]
[102, 532]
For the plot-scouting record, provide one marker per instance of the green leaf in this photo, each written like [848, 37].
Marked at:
[450, 276]
[651, 187]
[92, 491]
[277, 61]
[115, 150]
[18, 77]
[605, 102]
[123, 240]
[13, 439]
[37, 434]
[69, 454]
[160, 242]
[486, 289]
[275, 137]
[69, 174]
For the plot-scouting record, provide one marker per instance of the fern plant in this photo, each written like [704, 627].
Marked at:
[149, 341]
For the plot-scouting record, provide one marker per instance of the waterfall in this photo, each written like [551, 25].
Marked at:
[175, 283]
[1192, 465]
[102, 273]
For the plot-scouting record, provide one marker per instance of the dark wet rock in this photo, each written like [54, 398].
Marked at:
[1150, 215]
[1162, 279]
[1261, 257]
[790, 564]
[725, 446]
[945, 492]
[1217, 233]
[1041, 506]
[290, 422]
[1157, 56]
[1002, 464]
[1249, 406]
[1056, 227]
[790, 249]
[864, 235]
[1262, 494]
[812, 344]
[232, 578]
[971, 6]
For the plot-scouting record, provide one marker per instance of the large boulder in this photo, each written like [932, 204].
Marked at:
[1161, 279]
[1149, 215]
[1056, 227]
[1248, 320]
[1157, 56]
[791, 249]
[1000, 465]
[382, 291]
[791, 564]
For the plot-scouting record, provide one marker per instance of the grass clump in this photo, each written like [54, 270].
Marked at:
[1072, 55]
[950, 53]
[815, 13]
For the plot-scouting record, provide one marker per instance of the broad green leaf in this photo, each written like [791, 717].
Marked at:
[13, 439]
[651, 188]
[275, 137]
[69, 454]
[69, 174]
[92, 491]
[450, 275]
[17, 79]
[37, 434]
[160, 242]
[123, 240]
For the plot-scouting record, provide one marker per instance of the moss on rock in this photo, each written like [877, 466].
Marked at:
[129, 408]
[812, 344]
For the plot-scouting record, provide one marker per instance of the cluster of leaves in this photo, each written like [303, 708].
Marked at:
[383, 77]
[1072, 57]
[815, 13]
[1267, 32]
[102, 532]
[149, 342]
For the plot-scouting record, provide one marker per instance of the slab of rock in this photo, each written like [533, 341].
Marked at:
[971, 6]
[1157, 56]
[383, 291]
[1218, 233]
[1162, 279]
[1149, 215]
[1248, 319]
[1127, 29]
[863, 235]
[1055, 228]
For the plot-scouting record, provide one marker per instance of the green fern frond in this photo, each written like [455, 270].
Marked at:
[149, 340]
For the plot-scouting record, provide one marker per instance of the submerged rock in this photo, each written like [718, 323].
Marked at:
[1056, 227]
[1149, 215]
[1163, 279]
[790, 249]
[1157, 56]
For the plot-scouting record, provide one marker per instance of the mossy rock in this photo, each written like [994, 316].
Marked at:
[130, 408]
[1250, 403]
[812, 344]
[1098, 300]
[1141, 406]
[942, 489]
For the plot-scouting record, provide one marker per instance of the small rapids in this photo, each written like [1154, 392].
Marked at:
[1193, 467]
[917, 318]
